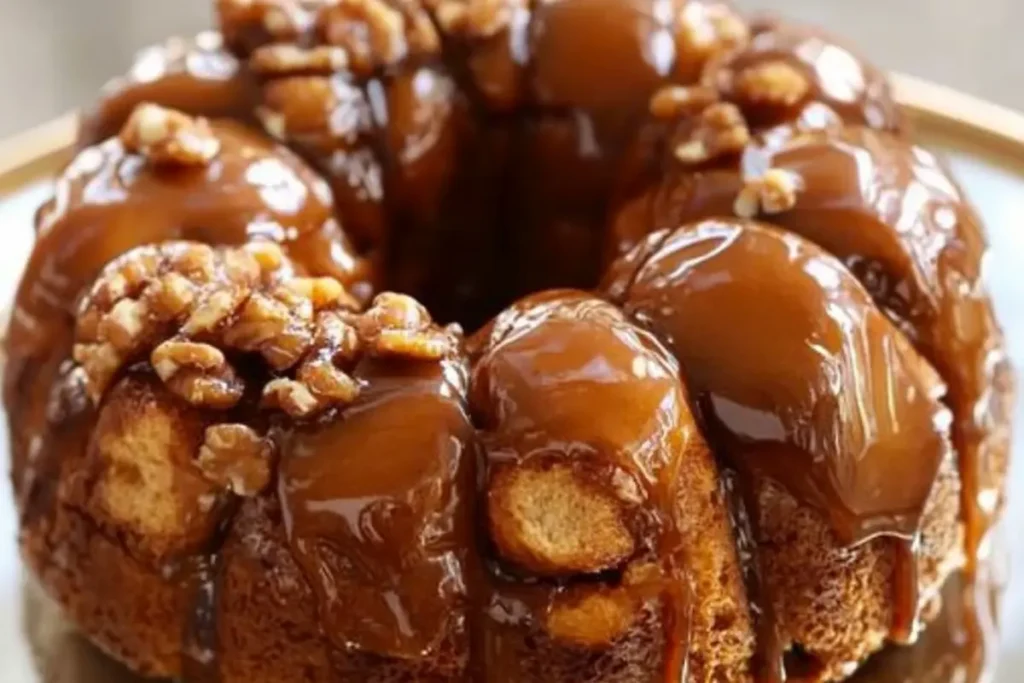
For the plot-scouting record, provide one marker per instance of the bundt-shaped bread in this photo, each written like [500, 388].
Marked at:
[732, 407]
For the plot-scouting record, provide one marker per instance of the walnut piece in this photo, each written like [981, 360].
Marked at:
[236, 457]
[197, 372]
[397, 325]
[676, 101]
[709, 29]
[275, 20]
[774, 192]
[169, 137]
[376, 33]
[317, 111]
[720, 130]
[286, 59]
[476, 18]
[774, 82]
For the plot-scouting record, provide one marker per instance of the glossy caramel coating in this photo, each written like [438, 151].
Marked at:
[196, 76]
[581, 410]
[823, 398]
[690, 475]
[567, 155]
[110, 199]
[890, 211]
[792, 74]
[443, 184]
[553, 146]
[393, 534]
[791, 367]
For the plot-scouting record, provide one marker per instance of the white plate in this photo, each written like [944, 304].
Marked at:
[985, 146]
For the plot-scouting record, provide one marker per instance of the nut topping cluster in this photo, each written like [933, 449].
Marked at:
[193, 311]
[290, 36]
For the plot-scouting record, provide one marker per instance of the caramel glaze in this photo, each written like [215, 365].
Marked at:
[196, 76]
[563, 379]
[377, 506]
[580, 115]
[890, 211]
[452, 154]
[109, 200]
[415, 176]
[792, 369]
[841, 88]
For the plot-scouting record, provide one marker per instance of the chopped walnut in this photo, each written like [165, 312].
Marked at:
[397, 325]
[169, 137]
[377, 33]
[287, 59]
[159, 297]
[317, 110]
[676, 101]
[319, 381]
[276, 20]
[711, 29]
[774, 192]
[775, 82]
[194, 310]
[199, 373]
[236, 457]
[291, 396]
[720, 130]
[476, 18]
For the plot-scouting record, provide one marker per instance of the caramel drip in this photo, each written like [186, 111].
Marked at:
[892, 214]
[200, 641]
[791, 366]
[768, 664]
[564, 384]
[376, 508]
[906, 609]
[677, 620]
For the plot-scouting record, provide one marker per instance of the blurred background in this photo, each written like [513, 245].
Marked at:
[55, 53]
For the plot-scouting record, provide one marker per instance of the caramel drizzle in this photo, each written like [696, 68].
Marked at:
[906, 612]
[200, 648]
